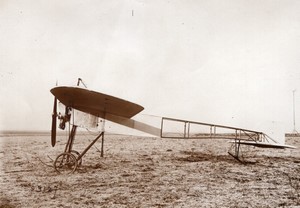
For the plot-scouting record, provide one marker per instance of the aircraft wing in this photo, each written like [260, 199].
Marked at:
[95, 103]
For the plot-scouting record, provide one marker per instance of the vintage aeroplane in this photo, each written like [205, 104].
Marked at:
[99, 105]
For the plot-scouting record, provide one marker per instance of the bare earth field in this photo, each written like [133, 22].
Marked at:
[148, 172]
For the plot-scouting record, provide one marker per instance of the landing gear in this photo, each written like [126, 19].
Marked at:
[68, 161]
[236, 146]
[65, 163]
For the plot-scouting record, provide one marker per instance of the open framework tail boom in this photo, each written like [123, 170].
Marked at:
[183, 129]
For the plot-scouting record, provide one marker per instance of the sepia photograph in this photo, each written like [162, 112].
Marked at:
[141, 103]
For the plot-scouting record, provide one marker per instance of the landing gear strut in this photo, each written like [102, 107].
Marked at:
[68, 161]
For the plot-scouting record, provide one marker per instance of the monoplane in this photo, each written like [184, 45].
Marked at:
[77, 99]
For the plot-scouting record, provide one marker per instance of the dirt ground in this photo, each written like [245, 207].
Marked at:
[147, 172]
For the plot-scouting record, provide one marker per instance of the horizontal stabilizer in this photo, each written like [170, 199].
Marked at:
[264, 144]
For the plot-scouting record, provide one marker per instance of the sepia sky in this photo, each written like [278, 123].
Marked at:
[232, 62]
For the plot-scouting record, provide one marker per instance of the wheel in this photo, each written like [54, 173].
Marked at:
[75, 153]
[65, 163]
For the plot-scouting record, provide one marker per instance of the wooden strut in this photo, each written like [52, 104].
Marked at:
[236, 151]
[70, 142]
[71, 139]
[91, 144]
[237, 146]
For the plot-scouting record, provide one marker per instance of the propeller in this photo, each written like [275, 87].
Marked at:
[53, 128]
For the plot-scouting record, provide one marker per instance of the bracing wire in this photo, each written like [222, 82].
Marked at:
[150, 115]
